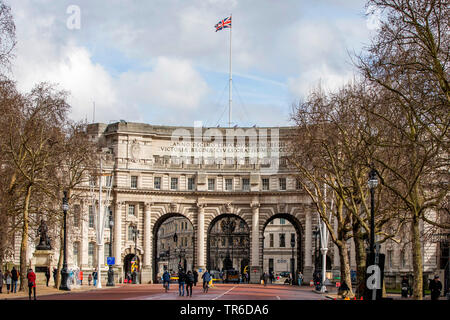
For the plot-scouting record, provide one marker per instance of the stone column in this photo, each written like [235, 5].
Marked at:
[201, 238]
[308, 269]
[147, 275]
[84, 259]
[118, 232]
[255, 269]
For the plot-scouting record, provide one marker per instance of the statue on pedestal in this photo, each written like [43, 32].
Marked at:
[44, 240]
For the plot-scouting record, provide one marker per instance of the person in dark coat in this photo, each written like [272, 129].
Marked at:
[31, 276]
[189, 283]
[14, 278]
[166, 280]
[405, 287]
[435, 288]
[181, 281]
[266, 278]
[1, 281]
[47, 274]
[195, 273]
[55, 272]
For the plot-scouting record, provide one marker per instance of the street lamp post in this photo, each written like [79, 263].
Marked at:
[110, 282]
[292, 259]
[64, 271]
[372, 183]
[316, 234]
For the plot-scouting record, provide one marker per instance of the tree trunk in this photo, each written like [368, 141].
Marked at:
[345, 267]
[24, 243]
[360, 255]
[417, 259]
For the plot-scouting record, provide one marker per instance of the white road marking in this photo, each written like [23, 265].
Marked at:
[219, 296]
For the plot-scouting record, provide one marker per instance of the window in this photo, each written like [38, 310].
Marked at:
[271, 240]
[389, 258]
[76, 216]
[271, 264]
[229, 184]
[298, 185]
[293, 238]
[403, 259]
[92, 181]
[282, 221]
[130, 233]
[282, 240]
[191, 183]
[282, 183]
[134, 182]
[131, 209]
[91, 217]
[265, 184]
[76, 253]
[173, 183]
[106, 252]
[246, 184]
[211, 184]
[157, 183]
[91, 249]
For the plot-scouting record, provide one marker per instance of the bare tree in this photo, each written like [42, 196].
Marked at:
[408, 63]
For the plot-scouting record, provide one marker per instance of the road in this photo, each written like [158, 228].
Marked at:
[219, 292]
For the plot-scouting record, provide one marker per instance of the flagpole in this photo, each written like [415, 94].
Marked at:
[231, 80]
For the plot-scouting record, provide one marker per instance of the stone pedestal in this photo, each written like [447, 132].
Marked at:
[307, 274]
[146, 275]
[255, 274]
[42, 260]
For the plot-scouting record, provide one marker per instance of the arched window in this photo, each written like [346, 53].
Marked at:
[76, 253]
[91, 252]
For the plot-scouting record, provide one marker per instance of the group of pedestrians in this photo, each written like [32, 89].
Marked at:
[10, 278]
[188, 280]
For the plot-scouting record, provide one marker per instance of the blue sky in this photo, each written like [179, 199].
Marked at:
[161, 62]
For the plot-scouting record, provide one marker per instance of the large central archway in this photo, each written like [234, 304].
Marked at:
[228, 246]
[173, 245]
[281, 231]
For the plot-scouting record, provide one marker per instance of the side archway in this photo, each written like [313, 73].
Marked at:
[173, 244]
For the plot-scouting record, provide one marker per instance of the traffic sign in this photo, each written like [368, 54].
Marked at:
[110, 261]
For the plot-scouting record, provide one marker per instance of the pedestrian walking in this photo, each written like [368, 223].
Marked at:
[89, 278]
[181, 282]
[94, 276]
[266, 278]
[31, 276]
[55, 272]
[14, 278]
[206, 279]
[1, 280]
[195, 273]
[47, 275]
[435, 288]
[189, 283]
[300, 278]
[166, 280]
[8, 280]
[81, 277]
[405, 287]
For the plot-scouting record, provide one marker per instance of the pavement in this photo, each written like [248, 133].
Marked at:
[156, 292]
[42, 290]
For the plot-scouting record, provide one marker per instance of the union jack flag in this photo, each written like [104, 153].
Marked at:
[225, 23]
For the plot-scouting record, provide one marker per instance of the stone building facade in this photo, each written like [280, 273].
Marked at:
[151, 185]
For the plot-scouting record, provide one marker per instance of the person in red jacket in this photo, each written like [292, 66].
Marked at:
[31, 276]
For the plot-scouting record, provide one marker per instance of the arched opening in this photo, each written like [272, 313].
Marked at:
[173, 245]
[282, 248]
[228, 245]
[131, 263]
